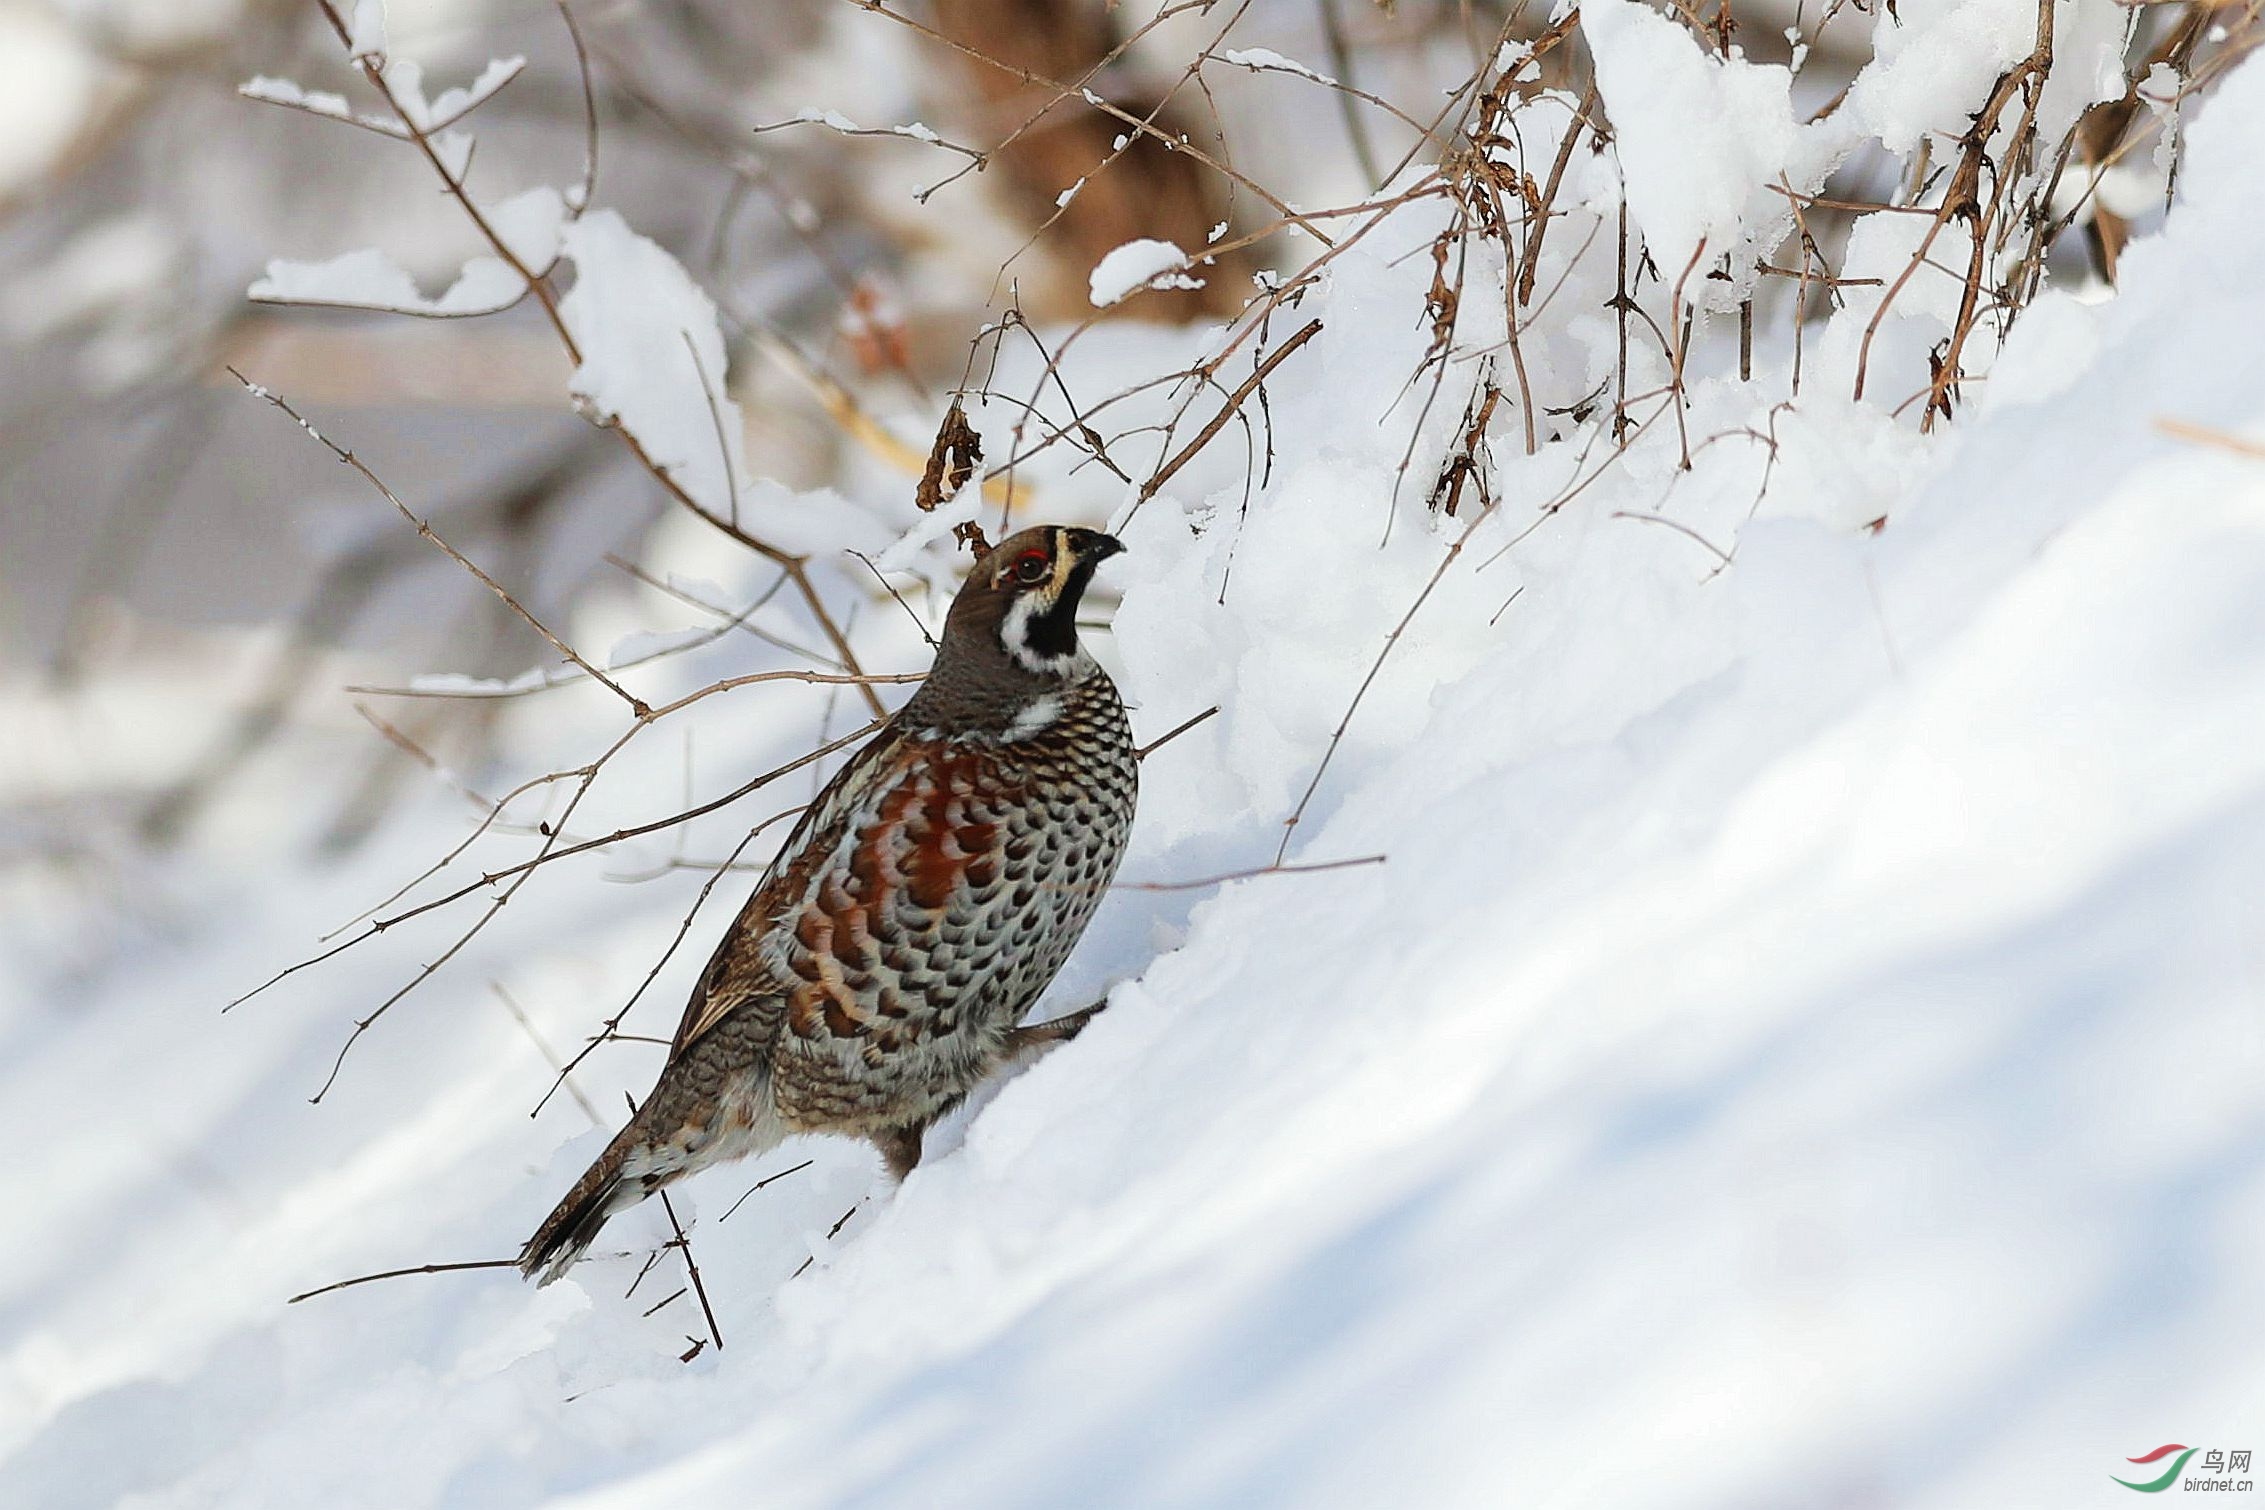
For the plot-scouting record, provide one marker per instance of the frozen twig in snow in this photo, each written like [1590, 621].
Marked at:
[370, 279]
[831, 1233]
[683, 1245]
[2203, 435]
[1337, 737]
[1680, 528]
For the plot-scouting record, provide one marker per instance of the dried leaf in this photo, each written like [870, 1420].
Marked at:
[951, 461]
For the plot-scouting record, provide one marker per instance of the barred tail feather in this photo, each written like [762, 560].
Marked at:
[683, 1126]
[566, 1234]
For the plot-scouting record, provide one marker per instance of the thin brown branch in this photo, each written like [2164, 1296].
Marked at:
[1337, 737]
[1276, 869]
[769, 1179]
[1158, 743]
[2203, 435]
[425, 530]
[542, 1047]
[1233, 405]
[365, 1279]
[684, 1245]
[610, 1030]
[1680, 528]
[586, 774]
[630, 832]
[538, 283]
[1126, 118]
[535, 279]
[890, 589]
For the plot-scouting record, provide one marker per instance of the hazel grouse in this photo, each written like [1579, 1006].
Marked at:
[882, 968]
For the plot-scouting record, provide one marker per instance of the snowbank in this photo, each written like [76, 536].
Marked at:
[1800, 1047]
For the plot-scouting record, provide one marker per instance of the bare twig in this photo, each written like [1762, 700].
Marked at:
[683, 1245]
[425, 530]
[1162, 740]
[1337, 736]
[1227, 411]
[364, 1279]
[1276, 869]
[2203, 435]
[769, 1179]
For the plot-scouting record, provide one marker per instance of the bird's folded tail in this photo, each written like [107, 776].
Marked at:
[566, 1234]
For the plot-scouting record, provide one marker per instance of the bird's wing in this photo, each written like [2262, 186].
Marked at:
[740, 971]
[882, 924]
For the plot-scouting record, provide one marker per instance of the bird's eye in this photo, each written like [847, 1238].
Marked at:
[1033, 567]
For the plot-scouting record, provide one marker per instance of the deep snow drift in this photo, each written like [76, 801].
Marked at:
[1801, 1047]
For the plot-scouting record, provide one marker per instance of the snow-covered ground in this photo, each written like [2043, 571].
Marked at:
[1801, 1046]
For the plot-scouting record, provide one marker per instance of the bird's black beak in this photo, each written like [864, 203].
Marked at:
[1093, 546]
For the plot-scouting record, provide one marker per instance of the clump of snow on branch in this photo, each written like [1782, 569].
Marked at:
[365, 31]
[288, 92]
[1706, 143]
[1142, 264]
[836, 121]
[1267, 60]
[652, 358]
[406, 79]
[371, 279]
[529, 223]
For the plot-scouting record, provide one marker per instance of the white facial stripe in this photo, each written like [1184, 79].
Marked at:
[1014, 634]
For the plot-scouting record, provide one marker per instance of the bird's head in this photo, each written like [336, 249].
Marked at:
[1020, 603]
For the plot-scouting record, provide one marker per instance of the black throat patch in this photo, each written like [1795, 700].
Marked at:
[1053, 634]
